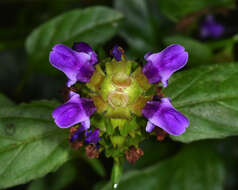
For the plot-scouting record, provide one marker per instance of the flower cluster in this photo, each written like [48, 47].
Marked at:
[111, 117]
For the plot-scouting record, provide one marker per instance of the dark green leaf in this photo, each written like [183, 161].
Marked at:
[139, 27]
[31, 144]
[150, 156]
[93, 25]
[59, 180]
[196, 167]
[4, 101]
[208, 96]
[198, 52]
[176, 9]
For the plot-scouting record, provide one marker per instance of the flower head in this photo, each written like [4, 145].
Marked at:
[75, 110]
[77, 64]
[211, 28]
[160, 66]
[164, 115]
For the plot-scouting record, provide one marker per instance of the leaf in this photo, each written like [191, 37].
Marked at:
[208, 96]
[196, 167]
[30, 143]
[198, 52]
[59, 180]
[176, 9]
[93, 25]
[4, 101]
[139, 26]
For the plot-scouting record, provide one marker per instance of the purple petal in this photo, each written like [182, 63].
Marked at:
[117, 53]
[70, 113]
[211, 28]
[88, 106]
[147, 55]
[150, 108]
[86, 124]
[78, 134]
[149, 127]
[92, 137]
[76, 65]
[160, 66]
[84, 47]
[165, 117]
[72, 93]
[85, 72]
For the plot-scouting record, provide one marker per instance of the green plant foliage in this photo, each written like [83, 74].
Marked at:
[59, 180]
[93, 25]
[196, 167]
[177, 9]
[30, 145]
[199, 53]
[139, 26]
[4, 101]
[208, 96]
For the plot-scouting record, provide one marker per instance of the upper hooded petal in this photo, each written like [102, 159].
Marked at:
[85, 72]
[70, 62]
[84, 47]
[160, 66]
[88, 106]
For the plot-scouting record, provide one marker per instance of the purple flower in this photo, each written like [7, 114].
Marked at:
[75, 110]
[117, 52]
[164, 115]
[92, 137]
[160, 66]
[76, 64]
[84, 47]
[78, 134]
[211, 28]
